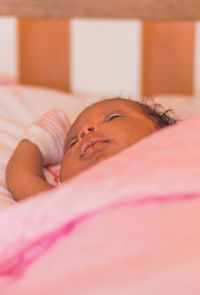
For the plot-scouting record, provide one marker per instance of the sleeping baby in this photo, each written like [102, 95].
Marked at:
[100, 131]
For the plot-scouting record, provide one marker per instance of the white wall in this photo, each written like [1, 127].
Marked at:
[105, 56]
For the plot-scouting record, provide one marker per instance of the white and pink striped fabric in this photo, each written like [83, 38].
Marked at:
[48, 132]
[129, 225]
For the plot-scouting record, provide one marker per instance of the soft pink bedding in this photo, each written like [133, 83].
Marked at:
[129, 225]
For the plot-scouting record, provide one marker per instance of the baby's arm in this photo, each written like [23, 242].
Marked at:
[42, 144]
[24, 174]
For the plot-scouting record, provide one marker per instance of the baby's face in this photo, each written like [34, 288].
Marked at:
[100, 131]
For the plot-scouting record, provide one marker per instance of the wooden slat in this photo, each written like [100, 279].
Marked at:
[168, 58]
[44, 53]
[149, 10]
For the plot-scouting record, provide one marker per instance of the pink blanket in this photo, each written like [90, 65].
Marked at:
[129, 225]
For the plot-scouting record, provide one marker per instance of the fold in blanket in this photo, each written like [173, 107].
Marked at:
[16, 265]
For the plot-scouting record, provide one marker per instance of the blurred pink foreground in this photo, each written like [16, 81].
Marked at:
[129, 225]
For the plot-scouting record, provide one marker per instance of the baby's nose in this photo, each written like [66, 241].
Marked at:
[86, 130]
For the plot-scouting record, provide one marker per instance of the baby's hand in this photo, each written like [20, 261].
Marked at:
[48, 132]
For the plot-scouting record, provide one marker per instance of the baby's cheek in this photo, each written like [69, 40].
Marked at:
[60, 175]
[64, 170]
[69, 167]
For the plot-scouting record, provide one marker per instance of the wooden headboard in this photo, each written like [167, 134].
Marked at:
[148, 10]
[44, 58]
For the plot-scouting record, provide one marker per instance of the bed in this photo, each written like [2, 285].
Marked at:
[128, 225]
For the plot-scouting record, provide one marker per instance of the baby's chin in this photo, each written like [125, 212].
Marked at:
[66, 175]
[84, 164]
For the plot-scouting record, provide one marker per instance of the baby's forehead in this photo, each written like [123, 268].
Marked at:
[98, 109]
[104, 106]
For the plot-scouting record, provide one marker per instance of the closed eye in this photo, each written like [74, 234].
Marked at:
[112, 117]
[73, 142]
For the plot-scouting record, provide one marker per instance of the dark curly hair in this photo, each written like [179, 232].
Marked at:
[156, 113]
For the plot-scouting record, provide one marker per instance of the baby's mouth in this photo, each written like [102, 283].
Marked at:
[91, 145]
